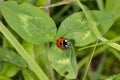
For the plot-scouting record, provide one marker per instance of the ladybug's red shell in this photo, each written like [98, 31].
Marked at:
[62, 43]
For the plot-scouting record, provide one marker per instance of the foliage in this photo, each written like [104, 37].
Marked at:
[28, 40]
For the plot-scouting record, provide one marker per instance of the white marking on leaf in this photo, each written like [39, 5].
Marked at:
[24, 19]
[64, 61]
[86, 34]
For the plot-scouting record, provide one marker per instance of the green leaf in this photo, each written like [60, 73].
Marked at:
[9, 70]
[30, 22]
[113, 6]
[29, 75]
[63, 61]
[10, 56]
[4, 78]
[76, 26]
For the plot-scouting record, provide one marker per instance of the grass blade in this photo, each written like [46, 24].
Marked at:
[95, 30]
[32, 64]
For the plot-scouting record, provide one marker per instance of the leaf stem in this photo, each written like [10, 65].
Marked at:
[101, 43]
[58, 4]
[84, 77]
[110, 43]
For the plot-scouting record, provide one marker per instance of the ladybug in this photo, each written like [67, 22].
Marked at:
[62, 43]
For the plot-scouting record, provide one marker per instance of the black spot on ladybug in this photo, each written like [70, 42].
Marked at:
[61, 43]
